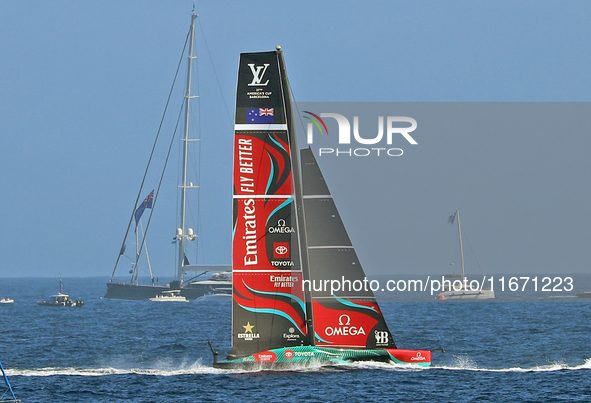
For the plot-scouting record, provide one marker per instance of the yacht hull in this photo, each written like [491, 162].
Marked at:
[139, 292]
[290, 357]
[466, 295]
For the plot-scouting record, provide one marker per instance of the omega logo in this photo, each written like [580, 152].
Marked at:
[342, 322]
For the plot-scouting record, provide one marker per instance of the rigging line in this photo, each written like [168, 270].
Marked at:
[148, 259]
[298, 188]
[196, 222]
[162, 177]
[214, 71]
[299, 113]
[455, 252]
[152, 153]
[190, 213]
[199, 132]
[474, 254]
[136, 265]
[197, 169]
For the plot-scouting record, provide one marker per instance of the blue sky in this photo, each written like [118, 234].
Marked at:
[84, 85]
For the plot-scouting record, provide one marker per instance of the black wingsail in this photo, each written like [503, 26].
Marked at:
[349, 316]
[269, 307]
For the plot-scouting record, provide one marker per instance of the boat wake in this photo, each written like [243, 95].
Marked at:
[155, 370]
[466, 364]
[197, 368]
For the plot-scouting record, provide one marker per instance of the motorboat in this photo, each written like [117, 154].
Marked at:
[170, 296]
[61, 300]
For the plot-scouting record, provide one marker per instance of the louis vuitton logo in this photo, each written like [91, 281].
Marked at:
[258, 72]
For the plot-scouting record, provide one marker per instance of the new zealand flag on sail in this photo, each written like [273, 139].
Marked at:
[260, 115]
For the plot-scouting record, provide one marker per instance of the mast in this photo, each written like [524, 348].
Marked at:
[182, 234]
[298, 193]
[460, 237]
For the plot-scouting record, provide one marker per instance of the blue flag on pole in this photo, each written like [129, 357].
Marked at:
[147, 203]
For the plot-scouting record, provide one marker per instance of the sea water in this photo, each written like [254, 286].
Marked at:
[526, 350]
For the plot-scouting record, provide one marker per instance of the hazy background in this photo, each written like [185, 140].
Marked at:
[83, 86]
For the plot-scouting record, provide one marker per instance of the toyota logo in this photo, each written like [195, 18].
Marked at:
[281, 250]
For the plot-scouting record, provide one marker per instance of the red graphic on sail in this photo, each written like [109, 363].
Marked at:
[275, 293]
[341, 327]
[262, 164]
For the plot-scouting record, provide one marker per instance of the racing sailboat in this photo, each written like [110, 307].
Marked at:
[289, 242]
